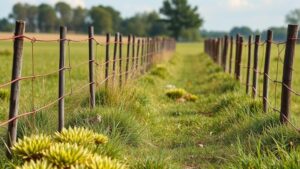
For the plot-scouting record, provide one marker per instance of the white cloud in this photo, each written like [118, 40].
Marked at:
[238, 4]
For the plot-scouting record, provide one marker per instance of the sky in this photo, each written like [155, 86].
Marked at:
[219, 15]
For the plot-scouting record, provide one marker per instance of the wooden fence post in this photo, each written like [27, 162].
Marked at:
[61, 82]
[133, 56]
[115, 58]
[255, 66]
[248, 64]
[15, 87]
[225, 50]
[219, 59]
[127, 58]
[142, 56]
[240, 57]
[230, 54]
[120, 60]
[236, 55]
[137, 56]
[91, 66]
[292, 35]
[267, 70]
[107, 60]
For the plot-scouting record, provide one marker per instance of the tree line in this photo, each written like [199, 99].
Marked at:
[279, 33]
[175, 18]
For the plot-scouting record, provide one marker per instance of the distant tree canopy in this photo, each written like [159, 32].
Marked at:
[47, 18]
[243, 30]
[144, 24]
[293, 17]
[182, 19]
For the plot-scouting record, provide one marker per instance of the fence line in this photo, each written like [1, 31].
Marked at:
[148, 51]
[284, 108]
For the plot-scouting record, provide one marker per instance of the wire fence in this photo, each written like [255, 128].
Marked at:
[111, 64]
[265, 68]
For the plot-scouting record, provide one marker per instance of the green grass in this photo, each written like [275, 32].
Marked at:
[223, 128]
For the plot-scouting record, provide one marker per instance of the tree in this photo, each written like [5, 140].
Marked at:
[293, 17]
[27, 13]
[79, 17]
[180, 16]
[135, 25]
[19, 11]
[46, 18]
[32, 12]
[116, 17]
[243, 30]
[144, 24]
[5, 26]
[102, 20]
[65, 13]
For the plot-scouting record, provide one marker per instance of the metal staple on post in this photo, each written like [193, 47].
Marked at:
[292, 35]
[15, 87]
[267, 70]
[91, 67]
[61, 82]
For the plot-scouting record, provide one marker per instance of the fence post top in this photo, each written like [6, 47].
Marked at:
[20, 22]
[293, 25]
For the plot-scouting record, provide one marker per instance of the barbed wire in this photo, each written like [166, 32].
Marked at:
[137, 67]
[273, 102]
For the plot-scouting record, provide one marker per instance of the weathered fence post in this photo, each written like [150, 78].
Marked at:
[107, 60]
[115, 58]
[255, 66]
[248, 64]
[225, 50]
[267, 70]
[219, 59]
[127, 58]
[91, 66]
[231, 53]
[61, 81]
[148, 54]
[120, 60]
[236, 55]
[142, 56]
[133, 56]
[137, 56]
[15, 87]
[292, 35]
[239, 58]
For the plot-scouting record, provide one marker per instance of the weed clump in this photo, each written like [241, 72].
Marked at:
[160, 71]
[5, 52]
[176, 93]
[71, 149]
[4, 94]
[181, 94]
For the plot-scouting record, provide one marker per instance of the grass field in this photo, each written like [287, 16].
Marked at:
[224, 128]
